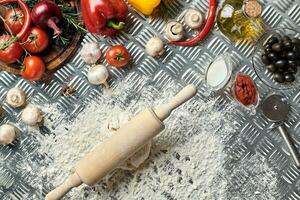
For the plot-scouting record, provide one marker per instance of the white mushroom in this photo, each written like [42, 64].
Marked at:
[90, 53]
[31, 115]
[97, 75]
[7, 134]
[174, 31]
[155, 47]
[193, 18]
[15, 97]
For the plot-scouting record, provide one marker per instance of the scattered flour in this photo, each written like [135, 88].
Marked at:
[186, 161]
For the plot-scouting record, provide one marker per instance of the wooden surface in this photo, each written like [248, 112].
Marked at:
[54, 56]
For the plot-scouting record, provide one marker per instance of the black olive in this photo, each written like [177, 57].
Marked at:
[296, 41]
[289, 78]
[272, 68]
[265, 60]
[277, 47]
[288, 45]
[268, 50]
[281, 64]
[286, 38]
[279, 78]
[296, 50]
[292, 70]
[291, 55]
[273, 56]
[284, 54]
[282, 69]
[292, 63]
[272, 40]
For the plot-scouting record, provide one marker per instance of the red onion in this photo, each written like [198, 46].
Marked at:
[46, 14]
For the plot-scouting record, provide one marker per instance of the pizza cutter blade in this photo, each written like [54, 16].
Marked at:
[276, 110]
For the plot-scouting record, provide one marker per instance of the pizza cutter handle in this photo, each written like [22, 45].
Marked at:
[292, 148]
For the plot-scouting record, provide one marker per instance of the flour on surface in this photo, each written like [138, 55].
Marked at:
[186, 160]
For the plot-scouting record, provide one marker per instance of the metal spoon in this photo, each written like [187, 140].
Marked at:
[276, 110]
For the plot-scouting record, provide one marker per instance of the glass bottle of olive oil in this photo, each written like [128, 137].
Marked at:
[234, 22]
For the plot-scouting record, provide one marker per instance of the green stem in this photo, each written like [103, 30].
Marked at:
[7, 44]
[114, 25]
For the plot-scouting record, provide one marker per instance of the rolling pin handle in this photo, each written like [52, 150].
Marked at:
[183, 96]
[56, 194]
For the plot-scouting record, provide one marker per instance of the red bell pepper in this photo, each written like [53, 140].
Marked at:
[104, 17]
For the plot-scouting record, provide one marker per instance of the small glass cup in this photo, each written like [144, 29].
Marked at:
[260, 68]
[252, 108]
[228, 64]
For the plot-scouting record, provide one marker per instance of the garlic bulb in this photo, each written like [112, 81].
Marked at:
[98, 74]
[193, 18]
[15, 97]
[90, 53]
[31, 115]
[174, 31]
[7, 134]
[155, 47]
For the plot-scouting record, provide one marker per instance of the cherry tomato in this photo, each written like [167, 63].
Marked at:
[37, 40]
[34, 68]
[10, 51]
[14, 20]
[117, 56]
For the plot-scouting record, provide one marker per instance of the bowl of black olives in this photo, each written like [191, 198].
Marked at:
[276, 59]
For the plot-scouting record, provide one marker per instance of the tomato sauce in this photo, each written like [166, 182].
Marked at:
[245, 90]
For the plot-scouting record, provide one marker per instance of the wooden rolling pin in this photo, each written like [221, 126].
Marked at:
[130, 138]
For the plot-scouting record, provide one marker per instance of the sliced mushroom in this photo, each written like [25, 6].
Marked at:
[193, 18]
[155, 47]
[174, 31]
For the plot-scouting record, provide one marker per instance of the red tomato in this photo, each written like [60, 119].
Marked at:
[34, 68]
[10, 51]
[37, 40]
[14, 20]
[117, 56]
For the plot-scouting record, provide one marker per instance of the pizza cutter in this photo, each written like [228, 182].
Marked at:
[276, 110]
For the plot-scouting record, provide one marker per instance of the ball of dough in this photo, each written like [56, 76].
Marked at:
[31, 115]
[7, 134]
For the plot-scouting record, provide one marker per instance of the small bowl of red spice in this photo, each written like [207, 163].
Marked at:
[244, 91]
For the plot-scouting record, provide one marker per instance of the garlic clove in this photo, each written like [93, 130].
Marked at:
[98, 74]
[155, 47]
[15, 97]
[193, 18]
[7, 134]
[31, 115]
[90, 53]
[174, 31]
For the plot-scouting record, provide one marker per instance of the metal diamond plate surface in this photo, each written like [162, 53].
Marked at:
[182, 64]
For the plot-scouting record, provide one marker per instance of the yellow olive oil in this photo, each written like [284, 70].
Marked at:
[236, 25]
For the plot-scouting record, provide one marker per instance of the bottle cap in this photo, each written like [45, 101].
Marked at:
[253, 8]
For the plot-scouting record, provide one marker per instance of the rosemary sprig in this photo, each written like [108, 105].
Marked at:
[72, 20]
[63, 40]
[31, 3]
